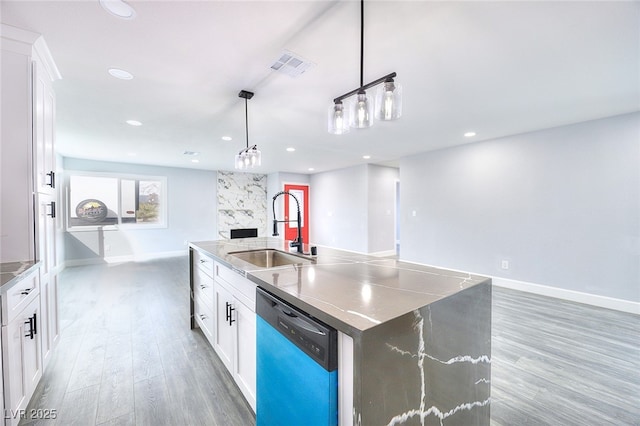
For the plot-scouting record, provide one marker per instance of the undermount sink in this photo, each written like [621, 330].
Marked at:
[270, 258]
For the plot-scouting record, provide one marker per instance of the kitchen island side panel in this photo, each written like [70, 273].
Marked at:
[432, 363]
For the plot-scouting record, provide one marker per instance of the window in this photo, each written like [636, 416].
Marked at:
[106, 200]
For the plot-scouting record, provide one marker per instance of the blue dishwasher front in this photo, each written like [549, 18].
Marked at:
[297, 374]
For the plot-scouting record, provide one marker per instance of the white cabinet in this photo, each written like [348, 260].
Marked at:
[43, 124]
[28, 136]
[225, 317]
[235, 340]
[245, 352]
[21, 345]
[28, 199]
[223, 307]
[202, 293]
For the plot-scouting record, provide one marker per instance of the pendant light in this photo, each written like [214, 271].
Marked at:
[249, 156]
[360, 113]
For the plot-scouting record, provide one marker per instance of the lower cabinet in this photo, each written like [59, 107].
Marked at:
[235, 341]
[22, 361]
[226, 315]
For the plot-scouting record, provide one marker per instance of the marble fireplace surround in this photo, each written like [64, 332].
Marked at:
[241, 202]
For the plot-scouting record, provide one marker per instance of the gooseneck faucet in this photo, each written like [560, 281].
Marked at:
[298, 242]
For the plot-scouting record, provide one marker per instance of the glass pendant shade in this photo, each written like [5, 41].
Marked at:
[249, 157]
[255, 157]
[361, 111]
[338, 119]
[389, 101]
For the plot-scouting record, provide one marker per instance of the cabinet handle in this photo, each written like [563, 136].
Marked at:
[53, 210]
[202, 286]
[26, 291]
[231, 309]
[35, 325]
[31, 331]
[202, 261]
[52, 179]
[203, 317]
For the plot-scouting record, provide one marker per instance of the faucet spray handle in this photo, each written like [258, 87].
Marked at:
[275, 228]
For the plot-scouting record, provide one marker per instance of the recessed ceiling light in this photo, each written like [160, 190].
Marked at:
[195, 160]
[366, 157]
[311, 169]
[291, 149]
[226, 138]
[121, 74]
[118, 8]
[134, 123]
[131, 154]
[469, 134]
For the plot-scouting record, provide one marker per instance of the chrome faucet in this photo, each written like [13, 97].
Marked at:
[298, 242]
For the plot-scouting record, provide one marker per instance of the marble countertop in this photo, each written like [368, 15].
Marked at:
[12, 272]
[349, 291]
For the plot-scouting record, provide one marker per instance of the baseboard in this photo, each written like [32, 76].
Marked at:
[556, 292]
[122, 259]
[385, 253]
[571, 295]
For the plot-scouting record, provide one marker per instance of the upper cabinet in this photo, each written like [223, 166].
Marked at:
[28, 136]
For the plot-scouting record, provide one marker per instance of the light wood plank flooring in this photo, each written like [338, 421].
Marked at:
[127, 356]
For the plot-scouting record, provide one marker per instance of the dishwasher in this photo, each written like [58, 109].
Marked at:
[297, 372]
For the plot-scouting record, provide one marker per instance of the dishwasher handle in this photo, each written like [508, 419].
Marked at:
[296, 320]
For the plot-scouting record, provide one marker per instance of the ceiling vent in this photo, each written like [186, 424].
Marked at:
[291, 64]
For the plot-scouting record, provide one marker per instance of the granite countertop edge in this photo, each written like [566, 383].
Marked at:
[13, 272]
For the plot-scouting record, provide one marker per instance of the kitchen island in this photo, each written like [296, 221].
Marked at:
[419, 337]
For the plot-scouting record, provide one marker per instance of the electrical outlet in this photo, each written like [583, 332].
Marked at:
[505, 264]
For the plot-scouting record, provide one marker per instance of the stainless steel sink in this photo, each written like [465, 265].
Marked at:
[270, 258]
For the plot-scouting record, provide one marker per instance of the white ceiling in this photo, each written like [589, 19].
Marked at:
[497, 68]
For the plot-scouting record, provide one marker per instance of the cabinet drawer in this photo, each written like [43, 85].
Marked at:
[19, 296]
[204, 318]
[245, 290]
[203, 287]
[204, 263]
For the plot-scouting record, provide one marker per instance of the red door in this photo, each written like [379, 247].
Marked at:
[301, 192]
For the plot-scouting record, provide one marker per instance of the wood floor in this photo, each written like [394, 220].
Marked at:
[127, 356]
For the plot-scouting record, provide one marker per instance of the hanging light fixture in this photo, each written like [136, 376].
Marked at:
[248, 156]
[360, 114]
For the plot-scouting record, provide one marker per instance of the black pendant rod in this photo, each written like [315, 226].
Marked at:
[246, 121]
[361, 43]
[246, 95]
[363, 86]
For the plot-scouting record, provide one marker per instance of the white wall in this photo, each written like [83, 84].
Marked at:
[561, 205]
[352, 208]
[191, 216]
[381, 208]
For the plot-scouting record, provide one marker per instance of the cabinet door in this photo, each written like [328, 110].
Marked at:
[21, 358]
[43, 129]
[245, 359]
[224, 345]
[49, 327]
[47, 211]
[31, 348]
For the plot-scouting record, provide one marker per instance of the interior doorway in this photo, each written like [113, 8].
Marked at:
[301, 192]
